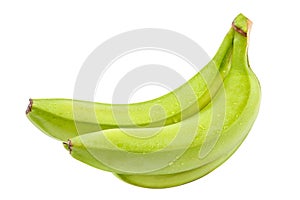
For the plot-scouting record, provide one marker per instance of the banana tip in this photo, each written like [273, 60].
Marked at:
[29, 107]
[68, 145]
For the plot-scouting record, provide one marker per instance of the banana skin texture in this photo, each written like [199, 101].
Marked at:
[178, 153]
[66, 118]
[171, 140]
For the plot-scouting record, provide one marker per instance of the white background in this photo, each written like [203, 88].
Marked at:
[43, 45]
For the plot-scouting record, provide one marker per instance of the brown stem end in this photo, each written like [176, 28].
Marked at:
[239, 30]
[29, 107]
[68, 145]
[242, 25]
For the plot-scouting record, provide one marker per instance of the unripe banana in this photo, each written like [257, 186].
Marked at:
[190, 148]
[170, 180]
[67, 118]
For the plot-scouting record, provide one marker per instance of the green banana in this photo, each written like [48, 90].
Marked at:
[172, 180]
[185, 151]
[67, 118]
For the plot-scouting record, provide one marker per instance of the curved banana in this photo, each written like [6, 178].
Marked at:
[172, 180]
[188, 149]
[67, 118]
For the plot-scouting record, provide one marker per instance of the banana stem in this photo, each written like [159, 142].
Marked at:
[239, 62]
[237, 29]
[242, 25]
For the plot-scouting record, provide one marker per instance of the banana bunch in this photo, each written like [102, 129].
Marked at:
[171, 140]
